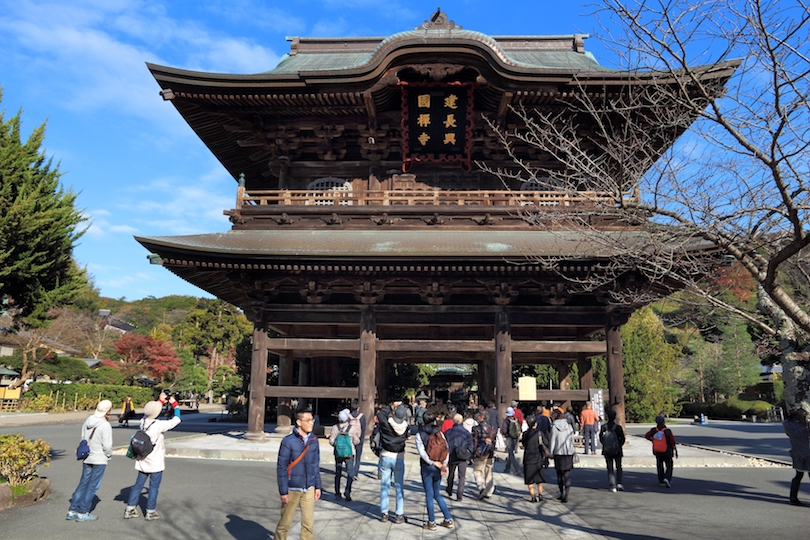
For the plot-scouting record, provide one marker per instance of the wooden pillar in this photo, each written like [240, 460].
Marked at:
[304, 365]
[486, 381]
[585, 368]
[258, 382]
[503, 363]
[284, 421]
[564, 374]
[615, 369]
[383, 372]
[368, 362]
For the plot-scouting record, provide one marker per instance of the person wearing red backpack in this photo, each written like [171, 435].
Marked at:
[663, 448]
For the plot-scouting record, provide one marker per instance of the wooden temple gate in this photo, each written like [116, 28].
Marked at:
[363, 232]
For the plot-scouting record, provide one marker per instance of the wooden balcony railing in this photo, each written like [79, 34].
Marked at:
[289, 197]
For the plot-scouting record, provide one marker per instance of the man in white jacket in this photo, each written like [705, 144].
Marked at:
[97, 431]
[152, 465]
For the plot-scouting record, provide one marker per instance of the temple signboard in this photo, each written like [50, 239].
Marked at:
[437, 122]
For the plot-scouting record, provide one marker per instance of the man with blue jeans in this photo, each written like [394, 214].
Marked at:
[394, 431]
[97, 431]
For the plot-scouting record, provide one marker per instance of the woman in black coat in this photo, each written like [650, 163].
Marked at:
[533, 459]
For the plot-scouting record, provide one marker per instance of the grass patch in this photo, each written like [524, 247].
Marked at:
[17, 491]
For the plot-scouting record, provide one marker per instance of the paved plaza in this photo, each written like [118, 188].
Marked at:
[224, 487]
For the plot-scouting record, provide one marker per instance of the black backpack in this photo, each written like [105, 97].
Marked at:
[375, 440]
[610, 441]
[141, 444]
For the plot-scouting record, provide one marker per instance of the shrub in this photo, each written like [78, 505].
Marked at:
[86, 396]
[20, 458]
[41, 403]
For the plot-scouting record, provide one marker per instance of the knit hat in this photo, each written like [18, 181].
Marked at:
[103, 408]
[659, 420]
[400, 414]
[510, 411]
[152, 409]
[343, 415]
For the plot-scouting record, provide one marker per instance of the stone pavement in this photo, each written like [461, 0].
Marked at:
[233, 445]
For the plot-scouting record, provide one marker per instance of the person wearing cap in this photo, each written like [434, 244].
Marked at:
[663, 459]
[460, 444]
[394, 432]
[421, 407]
[511, 440]
[97, 431]
[152, 466]
[344, 426]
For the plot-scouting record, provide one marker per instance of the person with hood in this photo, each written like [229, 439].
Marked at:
[797, 429]
[460, 443]
[353, 432]
[394, 432]
[534, 459]
[97, 431]
[152, 466]
[511, 430]
[611, 437]
[663, 448]
[562, 448]
[358, 419]
[431, 469]
[298, 473]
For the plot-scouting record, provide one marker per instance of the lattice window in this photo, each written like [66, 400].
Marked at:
[329, 183]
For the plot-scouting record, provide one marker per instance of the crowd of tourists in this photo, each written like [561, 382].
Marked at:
[448, 439]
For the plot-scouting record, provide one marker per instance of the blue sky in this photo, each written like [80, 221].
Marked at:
[138, 167]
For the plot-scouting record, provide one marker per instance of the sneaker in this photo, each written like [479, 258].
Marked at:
[130, 513]
[80, 518]
[384, 518]
[459, 497]
[347, 497]
[151, 516]
[481, 495]
[668, 483]
[399, 519]
[428, 526]
[447, 523]
[620, 487]
[613, 490]
[71, 515]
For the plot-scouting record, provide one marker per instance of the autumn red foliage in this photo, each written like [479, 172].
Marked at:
[143, 355]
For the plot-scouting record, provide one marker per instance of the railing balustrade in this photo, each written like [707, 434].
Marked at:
[290, 197]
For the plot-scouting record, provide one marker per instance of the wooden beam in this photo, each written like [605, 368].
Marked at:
[435, 345]
[307, 344]
[311, 392]
[584, 347]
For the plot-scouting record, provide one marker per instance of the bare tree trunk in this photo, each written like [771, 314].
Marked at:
[795, 356]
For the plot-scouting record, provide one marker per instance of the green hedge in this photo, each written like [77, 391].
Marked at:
[89, 394]
[732, 408]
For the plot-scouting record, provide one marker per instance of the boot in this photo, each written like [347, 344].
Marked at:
[794, 491]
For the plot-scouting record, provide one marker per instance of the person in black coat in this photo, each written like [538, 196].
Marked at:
[533, 459]
[612, 452]
[460, 444]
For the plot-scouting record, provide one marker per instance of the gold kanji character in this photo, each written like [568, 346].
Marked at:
[424, 138]
[451, 101]
[423, 100]
[423, 120]
[449, 138]
[451, 121]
